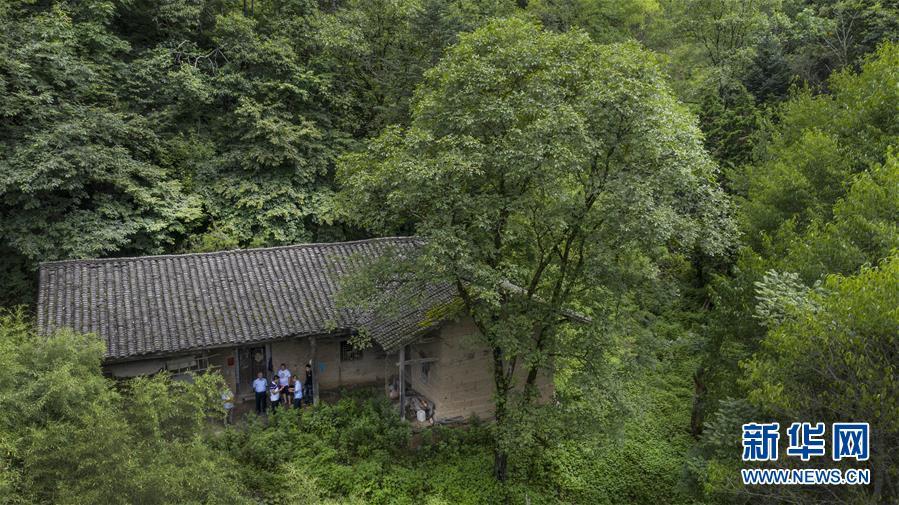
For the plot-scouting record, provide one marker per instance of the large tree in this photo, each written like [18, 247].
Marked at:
[79, 176]
[543, 173]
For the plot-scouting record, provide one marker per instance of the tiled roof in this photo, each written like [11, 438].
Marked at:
[166, 304]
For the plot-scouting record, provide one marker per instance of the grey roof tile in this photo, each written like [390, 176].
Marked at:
[164, 304]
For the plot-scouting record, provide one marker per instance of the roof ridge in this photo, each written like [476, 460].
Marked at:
[227, 251]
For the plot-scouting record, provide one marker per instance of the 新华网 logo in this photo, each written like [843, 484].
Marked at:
[806, 441]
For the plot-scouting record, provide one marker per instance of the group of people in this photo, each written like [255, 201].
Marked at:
[285, 389]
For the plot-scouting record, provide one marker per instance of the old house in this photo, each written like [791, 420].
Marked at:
[245, 311]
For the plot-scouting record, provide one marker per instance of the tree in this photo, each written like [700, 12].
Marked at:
[543, 173]
[725, 31]
[79, 176]
[830, 35]
[69, 435]
[768, 76]
[605, 21]
[864, 229]
[830, 355]
[821, 200]
[820, 142]
[729, 119]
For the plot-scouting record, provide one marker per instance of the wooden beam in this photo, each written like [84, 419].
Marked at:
[314, 362]
[402, 366]
[420, 361]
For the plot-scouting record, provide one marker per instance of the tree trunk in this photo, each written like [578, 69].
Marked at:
[880, 466]
[500, 464]
[500, 454]
[697, 416]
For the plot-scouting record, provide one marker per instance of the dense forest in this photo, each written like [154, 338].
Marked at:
[715, 183]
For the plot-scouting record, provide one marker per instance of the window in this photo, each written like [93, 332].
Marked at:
[348, 352]
[181, 365]
[425, 375]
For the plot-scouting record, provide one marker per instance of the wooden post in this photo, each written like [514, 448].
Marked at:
[402, 366]
[237, 377]
[314, 371]
[387, 376]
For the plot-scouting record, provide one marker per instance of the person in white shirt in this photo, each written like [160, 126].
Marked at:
[284, 375]
[284, 381]
[297, 388]
[259, 387]
[274, 393]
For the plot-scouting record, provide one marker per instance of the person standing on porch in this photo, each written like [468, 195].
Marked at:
[284, 375]
[274, 393]
[284, 381]
[307, 386]
[297, 389]
[228, 404]
[259, 387]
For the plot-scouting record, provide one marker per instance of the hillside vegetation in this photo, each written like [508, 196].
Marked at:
[714, 182]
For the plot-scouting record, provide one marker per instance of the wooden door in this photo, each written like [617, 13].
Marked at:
[252, 361]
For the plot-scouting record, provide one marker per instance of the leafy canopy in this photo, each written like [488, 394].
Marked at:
[821, 142]
[525, 147]
[542, 171]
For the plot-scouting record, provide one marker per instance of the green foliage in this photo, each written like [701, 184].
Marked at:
[149, 127]
[818, 198]
[832, 34]
[832, 358]
[544, 161]
[146, 127]
[820, 201]
[641, 433]
[357, 450]
[263, 181]
[69, 435]
[769, 74]
[725, 32]
[828, 333]
[605, 21]
[538, 144]
[78, 175]
[820, 142]
[863, 230]
[730, 120]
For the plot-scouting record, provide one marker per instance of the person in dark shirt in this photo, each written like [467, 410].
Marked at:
[307, 385]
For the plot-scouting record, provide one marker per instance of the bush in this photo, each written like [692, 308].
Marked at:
[71, 436]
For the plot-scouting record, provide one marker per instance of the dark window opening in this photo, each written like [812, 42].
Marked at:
[348, 352]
